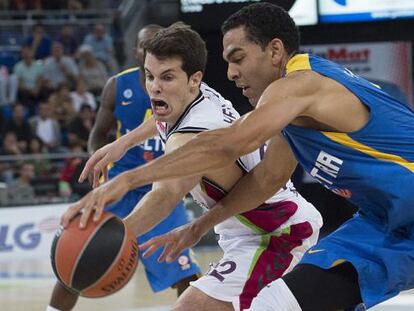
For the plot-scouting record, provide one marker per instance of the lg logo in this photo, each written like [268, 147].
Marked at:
[25, 236]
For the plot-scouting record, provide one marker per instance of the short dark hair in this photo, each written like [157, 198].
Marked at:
[181, 41]
[263, 22]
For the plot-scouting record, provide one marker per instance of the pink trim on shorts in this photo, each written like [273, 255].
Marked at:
[265, 218]
[270, 216]
[273, 261]
[213, 190]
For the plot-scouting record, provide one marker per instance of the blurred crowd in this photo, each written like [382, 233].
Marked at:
[24, 5]
[48, 101]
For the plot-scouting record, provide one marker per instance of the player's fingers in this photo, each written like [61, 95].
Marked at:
[88, 166]
[155, 241]
[96, 175]
[99, 208]
[100, 170]
[85, 215]
[150, 246]
[174, 253]
[166, 251]
[69, 214]
[150, 250]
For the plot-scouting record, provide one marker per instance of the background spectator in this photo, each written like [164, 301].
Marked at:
[60, 68]
[18, 125]
[69, 185]
[10, 147]
[102, 46]
[8, 87]
[46, 128]
[69, 40]
[61, 106]
[92, 71]
[81, 96]
[29, 74]
[81, 126]
[20, 191]
[22, 5]
[39, 42]
[76, 5]
[38, 150]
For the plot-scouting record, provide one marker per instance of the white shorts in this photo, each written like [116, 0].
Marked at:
[253, 261]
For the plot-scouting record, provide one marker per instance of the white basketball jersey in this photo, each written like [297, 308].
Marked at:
[207, 112]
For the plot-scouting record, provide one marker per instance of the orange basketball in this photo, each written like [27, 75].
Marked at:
[96, 261]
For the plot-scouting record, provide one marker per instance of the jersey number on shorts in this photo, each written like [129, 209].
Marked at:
[229, 267]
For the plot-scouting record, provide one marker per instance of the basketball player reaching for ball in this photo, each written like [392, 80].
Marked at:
[350, 135]
[125, 102]
[259, 245]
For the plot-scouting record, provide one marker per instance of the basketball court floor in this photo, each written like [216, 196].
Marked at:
[26, 286]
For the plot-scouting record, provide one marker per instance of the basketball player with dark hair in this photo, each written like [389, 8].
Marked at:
[125, 104]
[351, 136]
[271, 238]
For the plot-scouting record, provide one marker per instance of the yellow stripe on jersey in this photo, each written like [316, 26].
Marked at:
[298, 62]
[337, 263]
[148, 114]
[118, 129]
[127, 70]
[344, 139]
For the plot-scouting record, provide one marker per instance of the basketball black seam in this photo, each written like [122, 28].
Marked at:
[113, 263]
[85, 246]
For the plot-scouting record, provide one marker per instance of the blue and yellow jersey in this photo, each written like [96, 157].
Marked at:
[132, 107]
[374, 166]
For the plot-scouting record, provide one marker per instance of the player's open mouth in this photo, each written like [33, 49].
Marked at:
[160, 107]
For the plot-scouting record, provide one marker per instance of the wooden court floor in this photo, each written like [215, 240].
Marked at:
[27, 287]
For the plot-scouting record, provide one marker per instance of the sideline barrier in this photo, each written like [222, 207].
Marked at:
[26, 233]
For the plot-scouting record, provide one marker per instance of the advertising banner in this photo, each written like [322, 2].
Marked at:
[26, 233]
[387, 64]
[338, 11]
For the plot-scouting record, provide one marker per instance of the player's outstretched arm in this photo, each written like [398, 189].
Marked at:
[153, 208]
[278, 106]
[253, 189]
[207, 151]
[114, 151]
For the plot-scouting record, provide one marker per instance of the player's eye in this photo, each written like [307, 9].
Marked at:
[168, 77]
[238, 60]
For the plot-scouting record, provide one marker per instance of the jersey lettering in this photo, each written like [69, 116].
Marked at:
[326, 166]
[228, 115]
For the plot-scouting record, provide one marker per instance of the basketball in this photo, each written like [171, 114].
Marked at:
[96, 261]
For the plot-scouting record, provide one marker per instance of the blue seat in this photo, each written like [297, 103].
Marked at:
[14, 39]
[9, 59]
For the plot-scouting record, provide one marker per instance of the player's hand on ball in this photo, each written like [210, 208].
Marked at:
[174, 242]
[95, 201]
